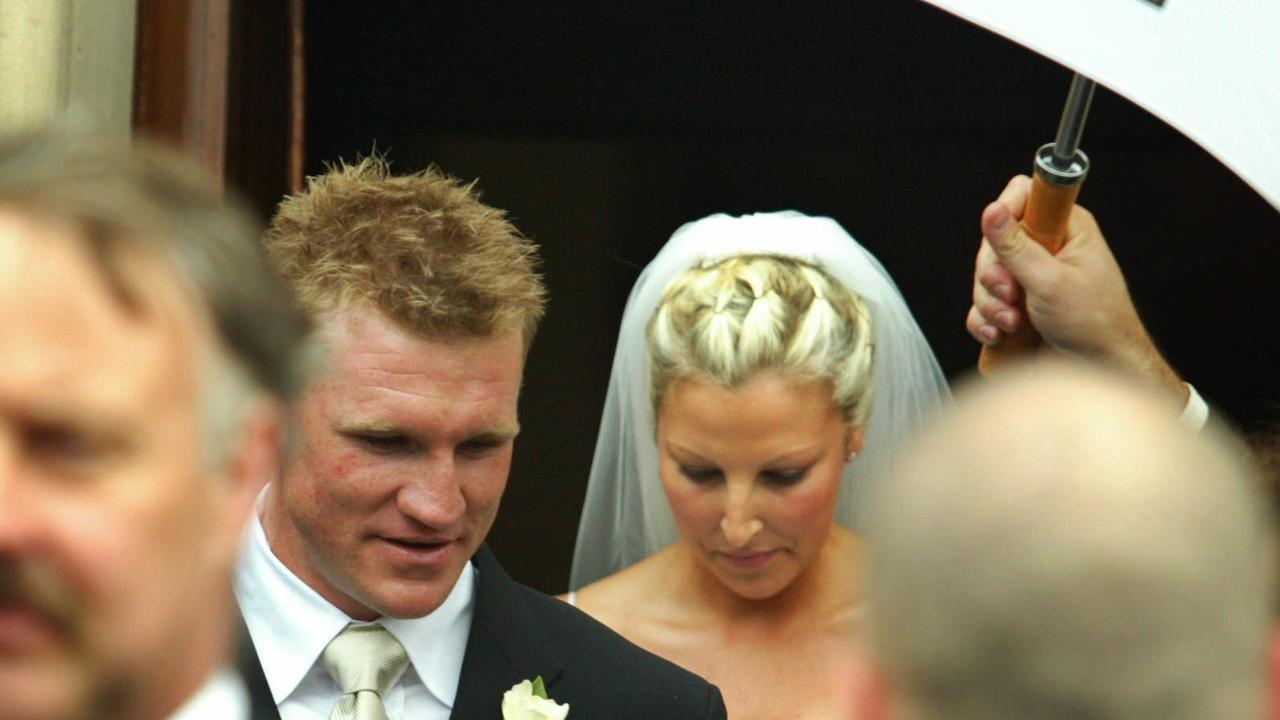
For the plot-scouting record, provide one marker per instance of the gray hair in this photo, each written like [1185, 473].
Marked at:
[1061, 546]
[123, 196]
[733, 318]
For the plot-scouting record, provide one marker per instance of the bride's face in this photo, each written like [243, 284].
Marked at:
[753, 474]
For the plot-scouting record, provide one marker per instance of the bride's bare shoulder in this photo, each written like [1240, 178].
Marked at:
[613, 600]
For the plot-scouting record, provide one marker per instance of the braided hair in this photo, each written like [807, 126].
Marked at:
[731, 319]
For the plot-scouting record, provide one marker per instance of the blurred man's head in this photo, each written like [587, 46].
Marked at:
[1061, 546]
[142, 345]
[426, 301]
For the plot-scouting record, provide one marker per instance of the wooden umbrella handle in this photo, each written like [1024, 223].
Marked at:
[1045, 220]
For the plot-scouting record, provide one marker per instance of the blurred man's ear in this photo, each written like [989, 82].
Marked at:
[252, 462]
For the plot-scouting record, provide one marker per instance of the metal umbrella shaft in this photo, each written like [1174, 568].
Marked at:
[1071, 127]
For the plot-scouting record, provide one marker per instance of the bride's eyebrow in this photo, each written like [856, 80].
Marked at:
[687, 454]
[803, 456]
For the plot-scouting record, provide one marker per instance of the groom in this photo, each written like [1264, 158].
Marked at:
[365, 584]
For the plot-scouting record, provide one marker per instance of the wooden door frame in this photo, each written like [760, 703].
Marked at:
[224, 80]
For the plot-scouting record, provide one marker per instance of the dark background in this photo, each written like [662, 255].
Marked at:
[601, 128]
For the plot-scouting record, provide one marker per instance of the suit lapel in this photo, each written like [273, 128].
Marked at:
[506, 644]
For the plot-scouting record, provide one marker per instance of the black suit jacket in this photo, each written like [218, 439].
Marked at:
[518, 634]
[261, 705]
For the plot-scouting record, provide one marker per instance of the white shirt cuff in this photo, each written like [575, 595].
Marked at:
[1196, 413]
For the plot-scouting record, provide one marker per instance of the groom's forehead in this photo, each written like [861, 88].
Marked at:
[364, 350]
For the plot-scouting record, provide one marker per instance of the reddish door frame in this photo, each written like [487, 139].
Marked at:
[224, 80]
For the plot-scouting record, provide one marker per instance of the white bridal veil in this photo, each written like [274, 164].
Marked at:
[626, 517]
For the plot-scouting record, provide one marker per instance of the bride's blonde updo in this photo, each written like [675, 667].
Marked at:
[730, 319]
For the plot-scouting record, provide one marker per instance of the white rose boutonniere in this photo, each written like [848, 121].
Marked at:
[527, 700]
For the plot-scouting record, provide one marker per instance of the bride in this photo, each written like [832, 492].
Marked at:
[766, 369]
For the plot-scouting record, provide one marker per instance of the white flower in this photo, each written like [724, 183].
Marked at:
[522, 702]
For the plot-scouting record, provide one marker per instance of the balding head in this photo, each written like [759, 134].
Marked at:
[1061, 546]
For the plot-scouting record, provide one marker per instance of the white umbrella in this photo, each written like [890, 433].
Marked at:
[1209, 68]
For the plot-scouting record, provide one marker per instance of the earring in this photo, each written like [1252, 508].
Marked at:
[849, 458]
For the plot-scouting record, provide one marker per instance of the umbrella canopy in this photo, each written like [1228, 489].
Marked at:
[1210, 68]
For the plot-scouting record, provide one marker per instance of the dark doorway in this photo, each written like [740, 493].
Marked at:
[601, 127]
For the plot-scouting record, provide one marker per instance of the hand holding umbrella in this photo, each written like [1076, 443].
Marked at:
[1208, 69]
[1060, 169]
[1017, 282]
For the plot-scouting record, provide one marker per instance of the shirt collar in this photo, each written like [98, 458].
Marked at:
[223, 697]
[291, 624]
[437, 643]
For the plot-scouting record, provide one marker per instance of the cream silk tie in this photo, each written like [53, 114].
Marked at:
[365, 661]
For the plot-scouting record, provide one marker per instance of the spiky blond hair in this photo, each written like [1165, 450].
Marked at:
[422, 248]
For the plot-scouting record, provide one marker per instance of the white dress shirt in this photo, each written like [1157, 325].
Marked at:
[223, 697]
[1196, 412]
[291, 624]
